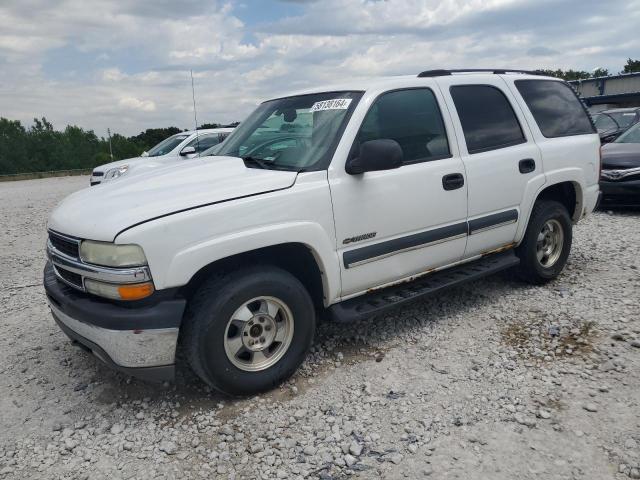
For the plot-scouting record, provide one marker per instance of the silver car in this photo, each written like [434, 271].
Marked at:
[181, 146]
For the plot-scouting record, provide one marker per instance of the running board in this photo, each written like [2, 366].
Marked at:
[378, 301]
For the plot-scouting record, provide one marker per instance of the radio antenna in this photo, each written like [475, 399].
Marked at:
[195, 113]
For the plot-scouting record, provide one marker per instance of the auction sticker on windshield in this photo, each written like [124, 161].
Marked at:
[333, 104]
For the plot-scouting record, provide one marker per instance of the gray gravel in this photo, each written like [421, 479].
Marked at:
[494, 380]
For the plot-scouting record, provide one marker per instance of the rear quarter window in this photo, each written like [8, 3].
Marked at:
[556, 108]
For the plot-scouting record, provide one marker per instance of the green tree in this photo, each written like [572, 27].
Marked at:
[631, 66]
[600, 72]
[124, 147]
[218, 125]
[13, 146]
[153, 136]
[567, 75]
[204, 126]
[41, 148]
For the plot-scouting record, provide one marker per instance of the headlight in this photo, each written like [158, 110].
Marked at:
[116, 172]
[112, 255]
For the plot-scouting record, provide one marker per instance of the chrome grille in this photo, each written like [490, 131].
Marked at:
[70, 277]
[620, 174]
[65, 245]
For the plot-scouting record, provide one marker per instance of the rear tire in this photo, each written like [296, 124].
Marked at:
[247, 331]
[547, 242]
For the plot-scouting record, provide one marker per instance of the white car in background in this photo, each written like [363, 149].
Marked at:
[181, 146]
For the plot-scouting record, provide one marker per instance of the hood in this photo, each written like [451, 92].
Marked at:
[620, 155]
[103, 211]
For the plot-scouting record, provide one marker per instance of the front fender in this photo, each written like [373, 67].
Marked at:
[179, 245]
[188, 261]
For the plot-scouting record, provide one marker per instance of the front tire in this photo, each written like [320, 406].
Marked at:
[547, 242]
[247, 331]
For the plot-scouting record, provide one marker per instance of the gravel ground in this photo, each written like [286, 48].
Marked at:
[494, 380]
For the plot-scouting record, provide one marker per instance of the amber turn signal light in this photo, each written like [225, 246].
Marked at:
[135, 291]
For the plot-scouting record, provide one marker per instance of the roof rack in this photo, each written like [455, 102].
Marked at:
[497, 71]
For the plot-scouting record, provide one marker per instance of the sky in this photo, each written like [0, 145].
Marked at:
[125, 65]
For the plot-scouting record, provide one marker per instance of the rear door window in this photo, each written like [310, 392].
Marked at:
[487, 118]
[555, 107]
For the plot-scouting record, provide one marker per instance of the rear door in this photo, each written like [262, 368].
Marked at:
[500, 157]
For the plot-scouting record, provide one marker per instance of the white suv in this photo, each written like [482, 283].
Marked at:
[177, 147]
[346, 200]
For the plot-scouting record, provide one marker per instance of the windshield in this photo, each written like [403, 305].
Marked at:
[630, 136]
[167, 145]
[293, 133]
[624, 119]
[604, 122]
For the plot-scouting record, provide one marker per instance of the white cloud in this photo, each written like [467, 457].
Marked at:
[137, 104]
[113, 75]
[125, 65]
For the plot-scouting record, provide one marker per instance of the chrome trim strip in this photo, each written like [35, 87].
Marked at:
[408, 249]
[103, 274]
[66, 237]
[127, 348]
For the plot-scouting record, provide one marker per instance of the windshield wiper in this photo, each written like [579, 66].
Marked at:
[260, 162]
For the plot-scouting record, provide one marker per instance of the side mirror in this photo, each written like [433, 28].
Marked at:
[374, 155]
[144, 154]
[187, 151]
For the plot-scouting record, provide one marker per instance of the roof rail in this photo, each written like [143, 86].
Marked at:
[497, 71]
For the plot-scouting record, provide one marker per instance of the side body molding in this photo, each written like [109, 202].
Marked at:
[377, 251]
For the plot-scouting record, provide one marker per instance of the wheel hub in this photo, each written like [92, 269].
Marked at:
[259, 332]
[550, 243]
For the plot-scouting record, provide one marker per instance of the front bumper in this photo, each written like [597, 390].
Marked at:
[139, 338]
[620, 193]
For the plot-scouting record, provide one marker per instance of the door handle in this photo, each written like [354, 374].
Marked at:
[453, 181]
[527, 165]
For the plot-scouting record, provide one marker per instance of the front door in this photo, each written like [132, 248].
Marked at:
[396, 223]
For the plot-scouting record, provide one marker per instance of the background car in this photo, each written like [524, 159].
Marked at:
[612, 123]
[180, 146]
[620, 178]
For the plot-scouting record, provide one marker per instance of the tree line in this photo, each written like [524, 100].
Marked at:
[41, 148]
[632, 66]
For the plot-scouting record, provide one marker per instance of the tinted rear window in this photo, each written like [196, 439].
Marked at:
[487, 118]
[555, 107]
